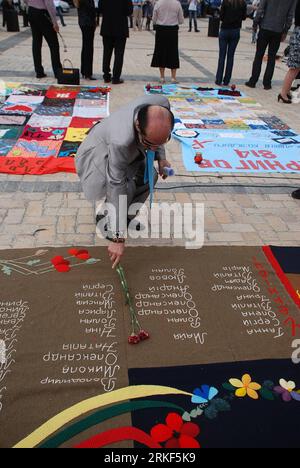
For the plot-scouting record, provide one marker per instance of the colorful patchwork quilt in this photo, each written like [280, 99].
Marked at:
[222, 130]
[213, 361]
[42, 127]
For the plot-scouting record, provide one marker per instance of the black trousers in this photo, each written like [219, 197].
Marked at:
[41, 27]
[266, 39]
[87, 51]
[116, 45]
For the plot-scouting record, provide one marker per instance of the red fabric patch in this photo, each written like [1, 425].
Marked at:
[36, 166]
[81, 122]
[19, 108]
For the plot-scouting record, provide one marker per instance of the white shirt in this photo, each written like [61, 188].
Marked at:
[168, 13]
[193, 5]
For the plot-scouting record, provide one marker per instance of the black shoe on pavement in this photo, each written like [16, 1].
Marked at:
[267, 87]
[119, 81]
[296, 194]
[250, 85]
[41, 75]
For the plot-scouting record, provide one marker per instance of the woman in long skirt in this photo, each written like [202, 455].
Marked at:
[167, 16]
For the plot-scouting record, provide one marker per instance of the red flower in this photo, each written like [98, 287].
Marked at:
[60, 264]
[176, 433]
[81, 254]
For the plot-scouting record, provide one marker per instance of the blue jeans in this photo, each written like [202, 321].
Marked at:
[228, 40]
[193, 16]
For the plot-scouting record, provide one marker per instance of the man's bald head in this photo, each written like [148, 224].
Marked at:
[156, 124]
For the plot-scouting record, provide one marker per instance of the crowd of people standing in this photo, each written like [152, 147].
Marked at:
[272, 20]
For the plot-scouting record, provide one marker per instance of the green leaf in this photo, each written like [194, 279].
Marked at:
[229, 387]
[267, 394]
[221, 405]
[33, 262]
[186, 417]
[6, 270]
[91, 261]
[269, 384]
[211, 412]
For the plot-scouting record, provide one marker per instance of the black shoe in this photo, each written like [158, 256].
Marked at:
[267, 87]
[107, 80]
[285, 101]
[197, 30]
[218, 84]
[296, 194]
[41, 75]
[250, 85]
[90, 78]
[119, 81]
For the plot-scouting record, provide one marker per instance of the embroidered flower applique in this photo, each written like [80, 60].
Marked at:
[246, 387]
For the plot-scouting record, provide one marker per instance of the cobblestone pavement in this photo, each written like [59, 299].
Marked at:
[51, 210]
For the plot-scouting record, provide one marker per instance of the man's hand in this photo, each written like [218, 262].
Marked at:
[115, 252]
[56, 28]
[162, 164]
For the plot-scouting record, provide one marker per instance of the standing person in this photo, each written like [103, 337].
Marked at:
[137, 14]
[275, 17]
[193, 7]
[114, 159]
[42, 19]
[87, 18]
[255, 5]
[293, 61]
[114, 31]
[148, 13]
[24, 12]
[6, 6]
[167, 16]
[59, 12]
[233, 13]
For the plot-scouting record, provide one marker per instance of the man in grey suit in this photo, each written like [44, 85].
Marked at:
[112, 160]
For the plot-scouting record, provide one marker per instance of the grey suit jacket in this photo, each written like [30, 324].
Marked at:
[110, 156]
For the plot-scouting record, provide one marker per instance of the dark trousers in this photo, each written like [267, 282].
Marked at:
[193, 16]
[228, 42]
[265, 39]
[59, 13]
[87, 51]
[116, 45]
[41, 27]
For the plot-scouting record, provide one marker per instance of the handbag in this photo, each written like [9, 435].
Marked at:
[68, 76]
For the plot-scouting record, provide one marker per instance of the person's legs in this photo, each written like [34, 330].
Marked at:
[274, 44]
[52, 41]
[140, 18]
[108, 47]
[223, 45]
[135, 18]
[59, 13]
[232, 45]
[261, 47]
[288, 82]
[37, 41]
[162, 74]
[195, 21]
[190, 20]
[90, 34]
[173, 75]
[120, 44]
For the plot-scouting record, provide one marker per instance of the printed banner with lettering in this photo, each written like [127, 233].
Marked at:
[222, 130]
[220, 366]
[41, 127]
